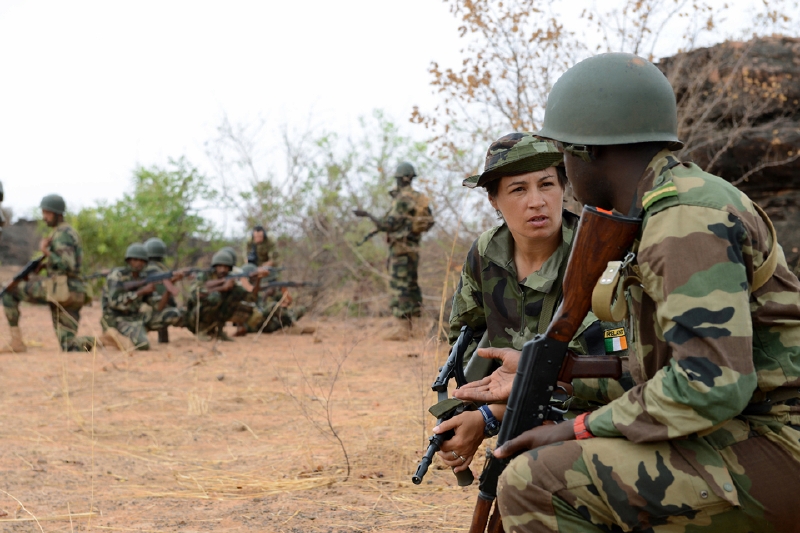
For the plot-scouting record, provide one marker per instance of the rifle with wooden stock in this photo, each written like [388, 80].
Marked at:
[165, 278]
[601, 237]
[219, 284]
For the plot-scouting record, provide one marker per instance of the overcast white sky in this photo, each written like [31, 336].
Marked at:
[89, 90]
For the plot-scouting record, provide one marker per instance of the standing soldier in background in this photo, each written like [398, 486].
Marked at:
[2, 217]
[129, 314]
[63, 289]
[156, 251]
[259, 248]
[409, 217]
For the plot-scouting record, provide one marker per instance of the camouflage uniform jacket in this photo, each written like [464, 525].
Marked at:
[398, 221]
[116, 300]
[66, 256]
[154, 298]
[704, 346]
[489, 296]
[262, 252]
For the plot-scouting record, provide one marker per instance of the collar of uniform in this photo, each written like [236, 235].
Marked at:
[652, 177]
[500, 250]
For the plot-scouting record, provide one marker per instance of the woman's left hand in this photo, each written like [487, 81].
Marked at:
[468, 427]
[539, 436]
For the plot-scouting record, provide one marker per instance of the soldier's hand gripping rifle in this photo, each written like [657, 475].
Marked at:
[367, 214]
[226, 283]
[281, 284]
[32, 267]
[446, 407]
[166, 278]
[601, 237]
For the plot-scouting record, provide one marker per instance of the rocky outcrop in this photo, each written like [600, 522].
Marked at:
[739, 113]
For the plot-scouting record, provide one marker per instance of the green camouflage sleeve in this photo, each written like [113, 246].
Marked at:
[64, 252]
[118, 299]
[397, 215]
[696, 320]
[467, 300]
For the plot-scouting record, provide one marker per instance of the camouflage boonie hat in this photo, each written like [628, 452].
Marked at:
[513, 154]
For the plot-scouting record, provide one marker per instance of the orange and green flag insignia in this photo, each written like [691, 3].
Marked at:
[615, 340]
[659, 193]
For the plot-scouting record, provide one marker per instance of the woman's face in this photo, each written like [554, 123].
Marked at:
[531, 203]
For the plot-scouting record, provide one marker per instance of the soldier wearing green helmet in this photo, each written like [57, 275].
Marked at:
[706, 439]
[213, 302]
[156, 252]
[63, 289]
[511, 279]
[129, 314]
[409, 217]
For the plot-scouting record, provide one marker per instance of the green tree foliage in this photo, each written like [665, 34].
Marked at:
[165, 202]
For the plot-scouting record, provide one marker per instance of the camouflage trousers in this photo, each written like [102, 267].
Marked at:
[282, 317]
[406, 296]
[212, 319]
[136, 326]
[66, 316]
[744, 478]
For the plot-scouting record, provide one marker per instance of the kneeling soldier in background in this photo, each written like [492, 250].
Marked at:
[156, 252]
[127, 313]
[212, 303]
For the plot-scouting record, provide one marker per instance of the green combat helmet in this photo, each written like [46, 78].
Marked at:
[230, 250]
[248, 268]
[136, 251]
[514, 154]
[223, 257]
[53, 203]
[405, 170]
[155, 248]
[612, 99]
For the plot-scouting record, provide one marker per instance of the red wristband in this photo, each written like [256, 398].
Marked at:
[581, 431]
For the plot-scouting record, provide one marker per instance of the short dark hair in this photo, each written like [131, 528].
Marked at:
[494, 185]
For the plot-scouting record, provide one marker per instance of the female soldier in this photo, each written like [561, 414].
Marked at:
[511, 280]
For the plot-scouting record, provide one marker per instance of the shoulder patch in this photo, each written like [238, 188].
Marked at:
[659, 193]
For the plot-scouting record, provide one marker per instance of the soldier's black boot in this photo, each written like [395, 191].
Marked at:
[163, 336]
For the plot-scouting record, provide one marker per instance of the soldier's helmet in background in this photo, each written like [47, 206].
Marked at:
[230, 251]
[612, 99]
[53, 203]
[136, 251]
[405, 170]
[155, 247]
[223, 257]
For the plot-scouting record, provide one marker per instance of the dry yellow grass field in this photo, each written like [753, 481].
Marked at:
[229, 436]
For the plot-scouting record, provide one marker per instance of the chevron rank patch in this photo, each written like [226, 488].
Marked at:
[659, 193]
[615, 340]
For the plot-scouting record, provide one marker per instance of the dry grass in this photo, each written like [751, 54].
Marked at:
[197, 437]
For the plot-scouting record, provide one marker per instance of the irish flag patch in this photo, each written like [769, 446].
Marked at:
[615, 340]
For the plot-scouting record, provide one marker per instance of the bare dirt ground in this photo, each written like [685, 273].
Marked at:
[222, 436]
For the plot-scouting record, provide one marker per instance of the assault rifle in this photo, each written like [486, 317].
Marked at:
[216, 284]
[99, 274]
[161, 277]
[367, 214]
[447, 407]
[601, 237]
[165, 278]
[32, 267]
[279, 284]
